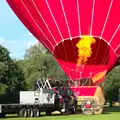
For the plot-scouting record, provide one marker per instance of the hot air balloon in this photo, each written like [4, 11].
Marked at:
[61, 26]
[83, 35]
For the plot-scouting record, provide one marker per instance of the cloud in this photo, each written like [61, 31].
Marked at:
[28, 34]
[2, 40]
[17, 47]
[17, 55]
[30, 43]
[13, 34]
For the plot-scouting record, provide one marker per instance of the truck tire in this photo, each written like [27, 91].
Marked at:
[23, 112]
[36, 112]
[29, 112]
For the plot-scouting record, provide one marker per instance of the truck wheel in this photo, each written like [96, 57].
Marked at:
[48, 112]
[36, 112]
[29, 112]
[23, 112]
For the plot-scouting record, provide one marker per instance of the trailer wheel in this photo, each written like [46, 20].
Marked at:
[29, 112]
[87, 106]
[23, 112]
[36, 112]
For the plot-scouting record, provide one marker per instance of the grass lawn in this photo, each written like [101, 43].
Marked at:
[108, 114]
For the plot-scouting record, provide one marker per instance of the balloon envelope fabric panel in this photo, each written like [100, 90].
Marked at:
[83, 35]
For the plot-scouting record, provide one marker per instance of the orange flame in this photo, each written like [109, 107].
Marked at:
[84, 49]
[98, 76]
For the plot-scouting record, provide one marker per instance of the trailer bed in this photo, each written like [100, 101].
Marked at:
[14, 108]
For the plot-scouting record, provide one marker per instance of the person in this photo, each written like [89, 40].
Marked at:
[119, 96]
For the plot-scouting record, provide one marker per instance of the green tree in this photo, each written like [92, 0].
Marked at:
[39, 63]
[35, 50]
[112, 84]
[11, 78]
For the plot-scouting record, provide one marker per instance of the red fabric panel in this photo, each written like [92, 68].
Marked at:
[59, 24]
[84, 91]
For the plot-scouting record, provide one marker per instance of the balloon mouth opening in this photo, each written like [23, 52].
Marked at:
[97, 52]
[94, 65]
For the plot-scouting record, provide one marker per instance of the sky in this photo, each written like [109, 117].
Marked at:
[13, 35]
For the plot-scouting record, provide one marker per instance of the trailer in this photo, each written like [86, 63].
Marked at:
[32, 103]
[67, 99]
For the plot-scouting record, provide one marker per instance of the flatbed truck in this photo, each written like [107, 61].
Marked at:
[31, 103]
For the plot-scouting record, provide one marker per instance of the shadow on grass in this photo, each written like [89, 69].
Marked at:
[108, 110]
[51, 115]
[42, 115]
[9, 116]
[16, 116]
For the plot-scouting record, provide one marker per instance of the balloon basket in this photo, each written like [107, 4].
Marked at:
[90, 99]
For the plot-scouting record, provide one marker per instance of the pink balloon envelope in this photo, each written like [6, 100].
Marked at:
[59, 25]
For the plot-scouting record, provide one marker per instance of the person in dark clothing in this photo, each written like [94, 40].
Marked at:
[119, 96]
